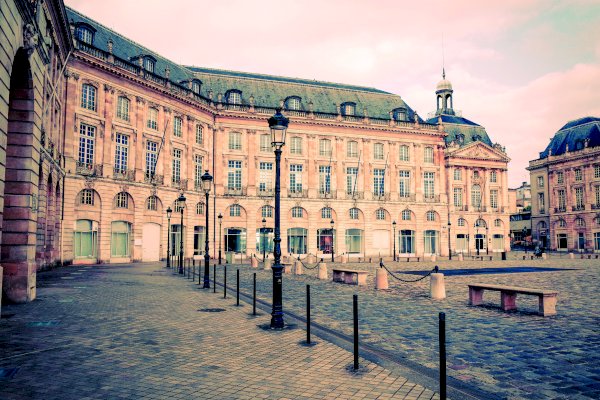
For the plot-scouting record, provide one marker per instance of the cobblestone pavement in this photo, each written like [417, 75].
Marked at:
[139, 332]
[515, 355]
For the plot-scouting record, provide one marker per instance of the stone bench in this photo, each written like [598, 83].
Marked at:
[411, 258]
[347, 276]
[482, 257]
[508, 297]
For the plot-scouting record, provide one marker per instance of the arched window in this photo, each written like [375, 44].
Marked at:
[85, 34]
[178, 206]
[406, 215]
[404, 153]
[326, 213]
[293, 103]
[86, 197]
[579, 222]
[353, 213]
[200, 208]
[88, 97]
[235, 210]
[562, 223]
[267, 211]
[380, 214]
[430, 215]
[461, 222]
[234, 97]
[122, 200]
[297, 212]
[476, 196]
[480, 223]
[152, 203]
[123, 108]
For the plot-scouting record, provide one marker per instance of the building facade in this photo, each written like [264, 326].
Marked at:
[565, 186]
[142, 130]
[35, 43]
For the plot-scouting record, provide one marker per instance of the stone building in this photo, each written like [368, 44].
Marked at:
[565, 188]
[143, 129]
[35, 43]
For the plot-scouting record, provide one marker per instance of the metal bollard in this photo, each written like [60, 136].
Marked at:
[214, 278]
[254, 297]
[237, 292]
[308, 314]
[225, 282]
[355, 313]
[194, 270]
[442, 336]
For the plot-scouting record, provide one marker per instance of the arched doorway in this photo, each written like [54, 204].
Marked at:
[19, 210]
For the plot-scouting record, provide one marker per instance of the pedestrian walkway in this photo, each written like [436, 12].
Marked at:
[139, 332]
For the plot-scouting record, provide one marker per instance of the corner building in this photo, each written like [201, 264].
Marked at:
[142, 131]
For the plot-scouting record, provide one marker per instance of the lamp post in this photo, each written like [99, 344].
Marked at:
[332, 223]
[169, 211]
[220, 234]
[181, 204]
[278, 124]
[487, 239]
[394, 226]
[262, 237]
[477, 238]
[206, 182]
[449, 245]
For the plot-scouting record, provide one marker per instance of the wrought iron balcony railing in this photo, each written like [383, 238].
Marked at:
[298, 193]
[124, 174]
[235, 191]
[88, 169]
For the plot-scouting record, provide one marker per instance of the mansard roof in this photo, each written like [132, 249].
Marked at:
[456, 126]
[267, 90]
[574, 135]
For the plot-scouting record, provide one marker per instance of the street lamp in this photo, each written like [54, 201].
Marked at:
[264, 227]
[220, 234]
[394, 226]
[332, 223]
[278, 124]
[449, 245]
[206, 182]
[181, 204]
[477, 238]
[487, 239]
[169, 211]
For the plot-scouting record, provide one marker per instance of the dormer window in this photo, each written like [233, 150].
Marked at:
[400, 114]
[85, 33]
[196, 86]
[348, 109]
[149, 63]
[293, 103]
[234, 97]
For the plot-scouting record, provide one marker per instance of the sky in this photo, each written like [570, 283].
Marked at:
[520, 68]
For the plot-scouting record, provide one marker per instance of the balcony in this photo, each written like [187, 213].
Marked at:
[265, 192]
[235, 191]
[382, 196]
[355, 195]
[461, 208]
[432, 199]
[557, 210]
[579, 207]
[542, 211]
[327, 195]
[182, 184]
[154, 179]
[88, 169]
[407, 197]
[596, 206]
[124, 174]
[298, 193]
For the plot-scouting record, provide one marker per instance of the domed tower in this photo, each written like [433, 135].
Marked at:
[443, 93]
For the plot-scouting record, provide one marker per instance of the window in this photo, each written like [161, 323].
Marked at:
[404, 153]
[540, 181]
[264, 240]
[429, 185]
[378, 181]
[562, 200]
[178, 206]
[265, 178]
[87, 134]
[123, 108]
[596, 241]
[234, 175]
[200, 208]
[295, 178]
[407, 241]
[85, 35]
[493, 176]
[404, 184]
[462, 222]
[267, 211]
[152, 203]
[378, 151]
[541, 202]
[561, 241]
[351, 179]
[353, 213]
[176, 177]
[149, 64]
[235, 240]
[476, 196]
[199, 240]
[380, 214]
[596, 171]
[352, 149]
[406, 215]
[88, 97]
[293, 103]
[196, 86]
[121, 200]
[324, 179]
[428, 155]
[234, 97]
[562, 223]
[296, 145]
[121, 153]
[400, 114]
[297, 212]
[235, 141]
[579, 198]
[348, 108]
[457, 174]
[235, 210]
[151, 158]
[265, 143]
[152, 118]
[597, 196]
[86, 197]
[198, 160]
[325, 147]
[494, 198]
[430, 215]
[297, 240]
[120, 239]
[354, 241]
[560, 177]
[458, 197]
[177, 124]
[579, 222]
[578, 174]
[326, 213]
[199, 134]
[430, 242]
[498, 223]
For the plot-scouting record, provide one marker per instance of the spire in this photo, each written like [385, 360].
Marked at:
[443, 73]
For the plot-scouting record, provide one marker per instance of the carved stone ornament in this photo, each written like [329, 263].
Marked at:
[124, 188]
[140, 99]
[153, 190]
[30, 39]
[267, 201]
[89, 182]
[108, 88]
[298, 204]
[236, 201]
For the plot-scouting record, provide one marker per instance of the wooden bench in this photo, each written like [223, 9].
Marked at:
[347, 276]
[508, 297]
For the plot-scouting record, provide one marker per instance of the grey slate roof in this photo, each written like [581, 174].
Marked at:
[454, 126]
[574, 135]
[267, 90]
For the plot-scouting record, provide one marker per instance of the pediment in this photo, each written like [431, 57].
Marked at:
[478, 151]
